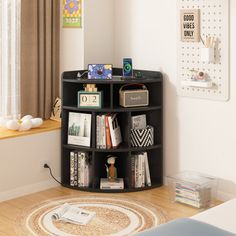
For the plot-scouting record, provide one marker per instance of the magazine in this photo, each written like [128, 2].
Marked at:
[73, 214]
[139, 122]
[79, 129]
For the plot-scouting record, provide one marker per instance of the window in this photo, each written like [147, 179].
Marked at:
[29, 57]
[10, 58]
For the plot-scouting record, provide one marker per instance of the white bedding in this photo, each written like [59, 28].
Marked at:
[222, 216]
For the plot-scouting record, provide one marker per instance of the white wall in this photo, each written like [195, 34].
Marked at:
[71, 46]
[21, 158]
[21, 163]
[93, 43]
[98, 31]
[199, 134]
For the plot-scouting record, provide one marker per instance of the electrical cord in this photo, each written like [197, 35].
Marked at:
[50, 170]
[79, 76]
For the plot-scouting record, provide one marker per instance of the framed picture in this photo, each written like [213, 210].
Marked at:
[79, 129]
[72, 13]
[99, 71]
[190, 25]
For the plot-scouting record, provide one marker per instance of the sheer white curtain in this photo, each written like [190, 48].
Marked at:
[10, 58]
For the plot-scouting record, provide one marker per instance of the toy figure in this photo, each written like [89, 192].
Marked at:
[111, 170]
[198, 75]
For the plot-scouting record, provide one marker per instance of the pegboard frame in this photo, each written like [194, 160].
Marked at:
[214, 21]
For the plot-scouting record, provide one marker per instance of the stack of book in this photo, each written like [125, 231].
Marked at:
[192, 195]
[79, 169]
[108, 131]
[117, 183]
[140, 170]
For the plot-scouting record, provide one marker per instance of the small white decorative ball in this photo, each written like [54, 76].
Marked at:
[27, 117]
[36, 122]
[25, 125]
[12, 125]
[3, 122]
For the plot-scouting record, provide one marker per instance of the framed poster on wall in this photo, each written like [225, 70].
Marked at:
[72, 13]
[190, 25]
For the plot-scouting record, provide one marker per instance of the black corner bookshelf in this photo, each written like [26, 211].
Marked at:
[154, 114]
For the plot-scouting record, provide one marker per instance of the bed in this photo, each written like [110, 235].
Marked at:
[217, 221]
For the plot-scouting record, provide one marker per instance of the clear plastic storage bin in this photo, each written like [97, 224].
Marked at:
[194, 189]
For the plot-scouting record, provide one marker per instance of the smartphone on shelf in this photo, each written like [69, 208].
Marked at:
[127, 68]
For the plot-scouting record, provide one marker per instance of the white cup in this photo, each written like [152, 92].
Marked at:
[207, 54]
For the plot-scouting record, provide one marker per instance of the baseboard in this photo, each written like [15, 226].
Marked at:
[27, 189]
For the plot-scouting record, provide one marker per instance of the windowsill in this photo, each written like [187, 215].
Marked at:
[48, 125]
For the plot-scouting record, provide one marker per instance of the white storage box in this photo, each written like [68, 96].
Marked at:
[193, 189]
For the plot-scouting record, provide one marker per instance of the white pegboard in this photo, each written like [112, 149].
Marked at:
[214, 22]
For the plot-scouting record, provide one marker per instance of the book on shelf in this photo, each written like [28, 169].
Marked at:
[103, 127]
[81, 163]
[72, 169]
[84, 167]
[147, 170]
[79, 129]
[80, 169]
[101, 132]
[75, 169]
[140, 172]
[133, 171]
[98, 132]
[117, 183]
[139, 122]
[73, 214]
[108, 131]
[115, 132]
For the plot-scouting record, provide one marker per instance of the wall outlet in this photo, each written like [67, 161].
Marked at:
[42, 163]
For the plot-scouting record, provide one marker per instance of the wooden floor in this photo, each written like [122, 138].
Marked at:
[9, 210]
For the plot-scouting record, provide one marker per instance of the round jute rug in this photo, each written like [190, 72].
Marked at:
[114, 216]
